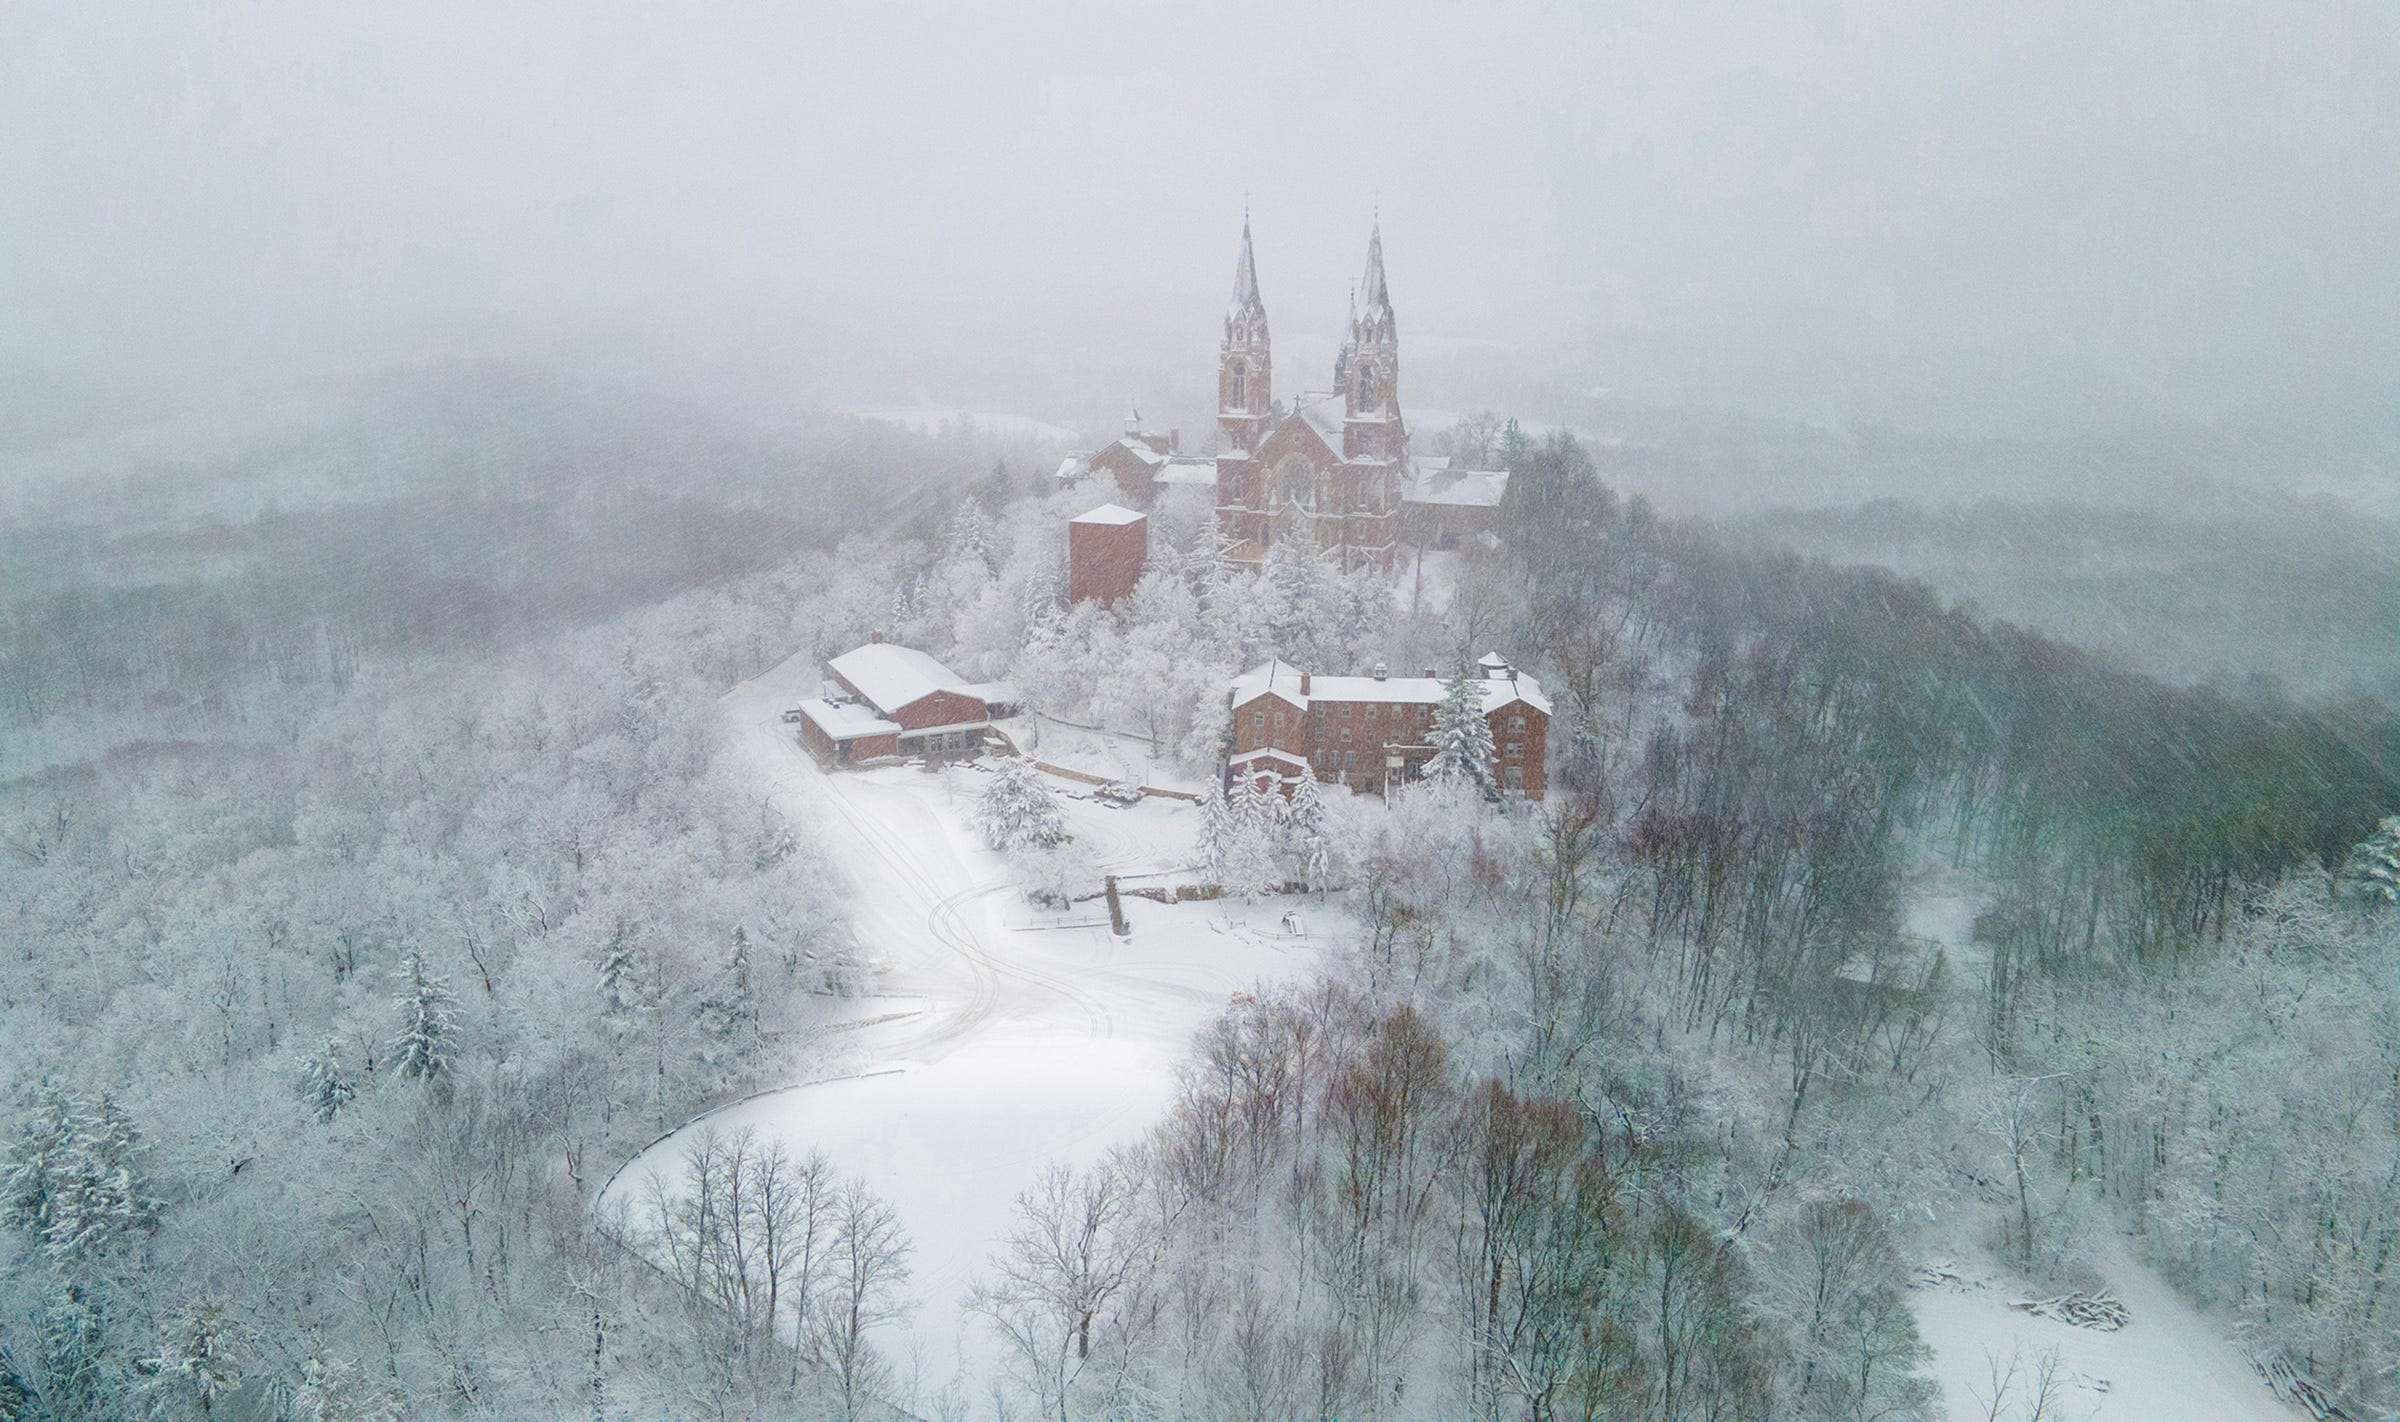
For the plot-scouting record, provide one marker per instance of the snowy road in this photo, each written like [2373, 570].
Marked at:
[997, 1042]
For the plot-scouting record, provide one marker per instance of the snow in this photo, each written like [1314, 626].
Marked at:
[1427, 581]
[1092, 750]
[892, 676]
[1438, 484]
[2168, 1365]
[1000, 1041]
[846, 720]
[1283, 680]
[1189, 473]
[1113, 515]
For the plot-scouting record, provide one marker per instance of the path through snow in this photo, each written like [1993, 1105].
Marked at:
[1002, 1043]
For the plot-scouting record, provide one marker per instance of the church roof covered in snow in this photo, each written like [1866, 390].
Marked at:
[1108, 514]
[890, 676]
[1434, 482]
[1322, 413]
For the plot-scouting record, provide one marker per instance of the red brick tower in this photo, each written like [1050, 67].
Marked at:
[1245, 400]
[1105, 552]
[1374, 437]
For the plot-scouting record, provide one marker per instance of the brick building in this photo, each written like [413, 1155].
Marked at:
[1372, 733]
[1334, 462]
[1105, 552]
[887, 700]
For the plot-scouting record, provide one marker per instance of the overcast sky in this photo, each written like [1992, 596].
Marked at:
[1895, 211]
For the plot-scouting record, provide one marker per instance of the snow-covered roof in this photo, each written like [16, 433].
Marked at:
[1195, 472]
[1500, 685]
[991, 692]
[1323, 413]
[1435, 482]
[846, 720]
[1108, 514]
[891, 676]
[1073, 467]
[1278, 677]
[1268, 753]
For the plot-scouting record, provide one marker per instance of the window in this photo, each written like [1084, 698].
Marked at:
[1514, 777]
[1516, 723]
[1258, 719]
[1237, 386]
[1516, 750]
[1345, 733]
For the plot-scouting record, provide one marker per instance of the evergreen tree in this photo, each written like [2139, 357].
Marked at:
[968, 542]
[1462, 735]
[617, 968]
[2372, 872]
[324, 1083]
[1310, 833]
[1214, 843]
[428, 1023]
[1018, 812]
[37, 1152]
[195, 1358]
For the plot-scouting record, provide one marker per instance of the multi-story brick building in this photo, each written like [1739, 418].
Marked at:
[1372, 733]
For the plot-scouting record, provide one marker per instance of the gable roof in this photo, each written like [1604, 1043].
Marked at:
[1276, 678]
[1107, 514]
[1436, 483]
[890, 676]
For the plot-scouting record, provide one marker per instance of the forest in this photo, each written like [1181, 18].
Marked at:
[369, 909]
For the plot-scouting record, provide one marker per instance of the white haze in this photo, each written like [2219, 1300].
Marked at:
[1961, 217]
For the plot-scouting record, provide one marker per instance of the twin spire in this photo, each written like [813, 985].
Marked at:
[1373, 323]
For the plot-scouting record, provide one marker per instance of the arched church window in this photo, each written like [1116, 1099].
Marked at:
[1237, 387]
[1366, 388]
[1298, 480]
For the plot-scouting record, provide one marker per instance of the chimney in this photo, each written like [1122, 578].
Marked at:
[1304, 683]
[874, 639]
[1379, 672]
[1433, 673]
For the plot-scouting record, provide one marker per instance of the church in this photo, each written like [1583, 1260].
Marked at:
[1332, 465]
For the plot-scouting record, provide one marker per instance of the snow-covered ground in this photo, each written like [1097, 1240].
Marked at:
[1096, 752]
[2169, 1364]
[1002, 1040]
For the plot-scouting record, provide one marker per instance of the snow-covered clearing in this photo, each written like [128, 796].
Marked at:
[2169, 1364]
[999, 1041]
[1092, 751]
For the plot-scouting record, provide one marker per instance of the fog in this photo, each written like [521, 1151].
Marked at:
[1968, 218]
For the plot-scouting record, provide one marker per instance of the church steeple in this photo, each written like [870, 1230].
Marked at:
[1245, 380]
[1370, 365]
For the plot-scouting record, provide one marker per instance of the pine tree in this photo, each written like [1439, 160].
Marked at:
[195, 1358]
[1311, 833]
[37, 1151]
[1018, 812]
[428, 1023]
[969, 539]
[324, 1083]
[1214, 845]
[2372, 872]
[617, 968]
[1462, 735]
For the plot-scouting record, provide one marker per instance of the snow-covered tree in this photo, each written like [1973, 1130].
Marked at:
[72, 1177]
[2372, 872]
[1462, 735]
[428, 1023]
[325, 1083]
[1017, 811]
[1309, 833]
[195, 1361]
